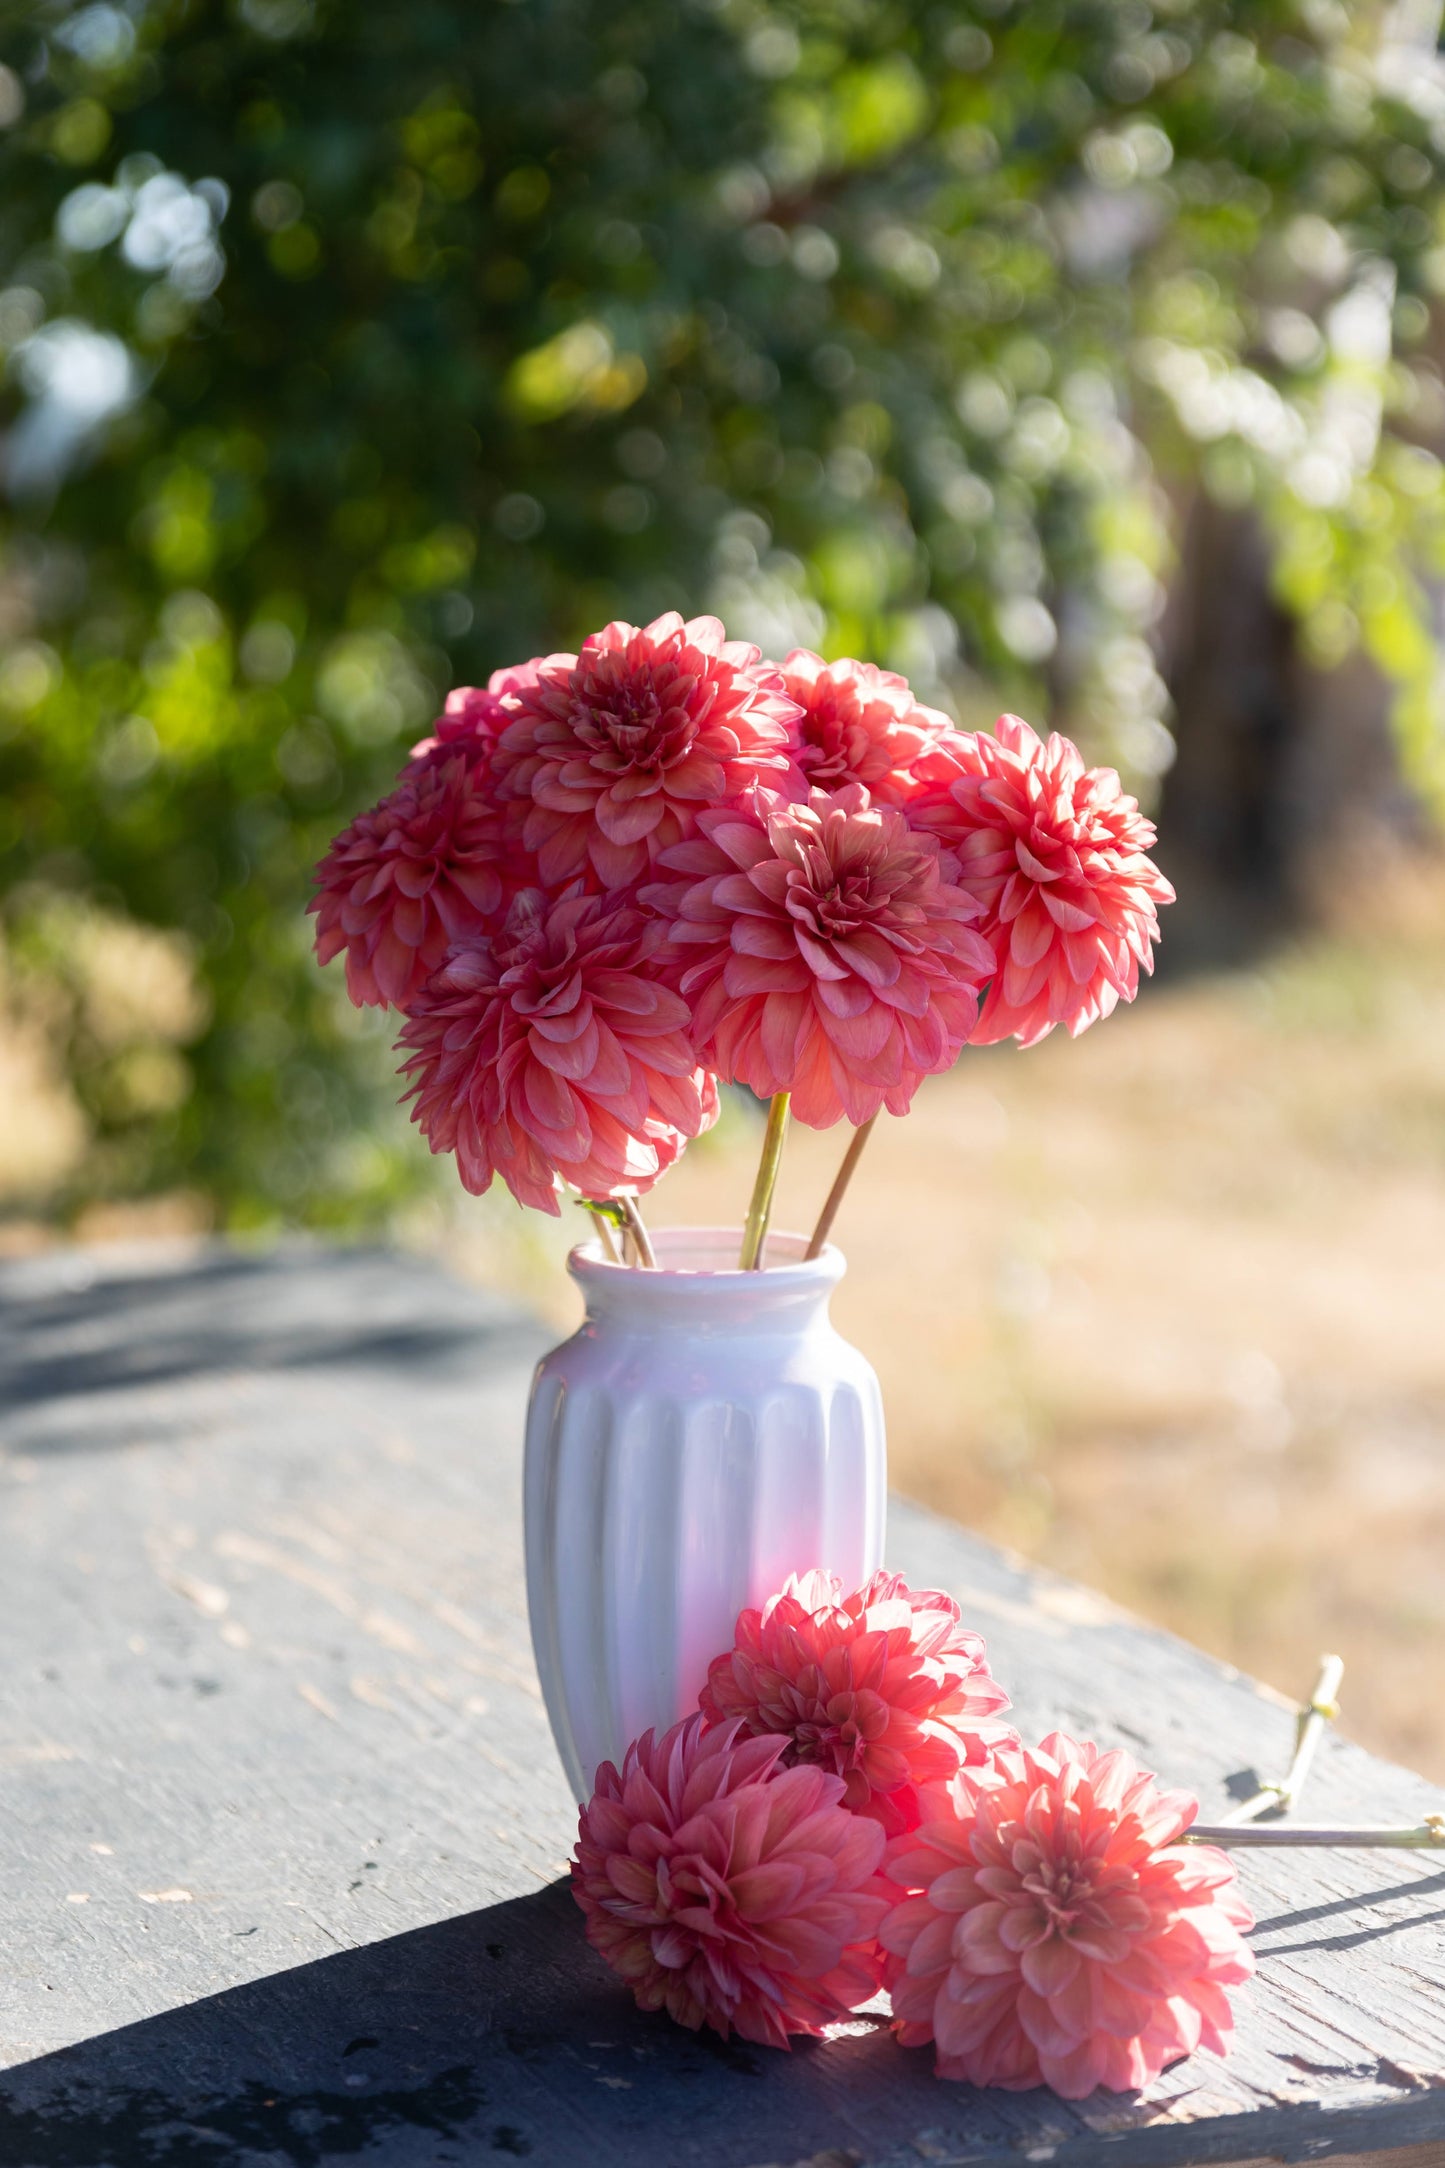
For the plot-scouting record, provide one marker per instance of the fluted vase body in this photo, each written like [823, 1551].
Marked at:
[705, 1434]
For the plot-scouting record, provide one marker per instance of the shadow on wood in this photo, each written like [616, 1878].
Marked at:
[498, 2031]
[80, 1335]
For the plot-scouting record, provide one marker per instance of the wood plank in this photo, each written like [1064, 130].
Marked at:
[283, 1826]
[1410, 2156]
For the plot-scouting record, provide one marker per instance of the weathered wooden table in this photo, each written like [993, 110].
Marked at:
[283, 1833]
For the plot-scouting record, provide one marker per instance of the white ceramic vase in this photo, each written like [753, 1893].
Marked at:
[705, 1434]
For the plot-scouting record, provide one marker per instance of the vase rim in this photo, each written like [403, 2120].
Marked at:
[706, 1257]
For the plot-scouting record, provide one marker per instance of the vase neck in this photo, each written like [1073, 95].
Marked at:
[698, 1285]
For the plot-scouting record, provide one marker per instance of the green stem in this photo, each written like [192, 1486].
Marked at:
[605, 1235]
[755, 1233]
[1428, 1836]
[1278, 1796]
[840, 1184]
[647, 1256]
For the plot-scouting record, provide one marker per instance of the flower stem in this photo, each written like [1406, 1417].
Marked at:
[1278, 1797]
[1427, 1836]
[755, 1232]
[646, 1255]
[840, 1183]
[605, 1235]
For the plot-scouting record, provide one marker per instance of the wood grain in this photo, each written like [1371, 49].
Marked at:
[1410, 2156]
[283, 1827]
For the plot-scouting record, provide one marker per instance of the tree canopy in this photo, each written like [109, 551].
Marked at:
[353, 351]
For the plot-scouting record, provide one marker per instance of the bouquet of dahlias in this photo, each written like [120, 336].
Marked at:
[612, 880]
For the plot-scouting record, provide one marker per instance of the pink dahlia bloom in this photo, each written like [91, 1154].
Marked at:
[553, 1051]
[831, 958]
[422, 869]
[727, 1890]
[1057, 855]
[1051, 1937]
[862, 725]
[887, 1687]
[616, 751]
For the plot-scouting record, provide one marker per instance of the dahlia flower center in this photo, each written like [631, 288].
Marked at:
[429, 845]
[832, 913]
[687, 1882]
[1049, 845]
[1062, 1890]
[837, 1745]
[840, 1733]
[539, 981]
[633, 728]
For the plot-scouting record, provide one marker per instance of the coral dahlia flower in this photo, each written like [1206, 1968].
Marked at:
[862, 725]
[553, 1051]
[1052, 1937]
[887, 1687]
[615, 751]
[1057, 855]
[407, 879]
[727, 1890]
[830, 958]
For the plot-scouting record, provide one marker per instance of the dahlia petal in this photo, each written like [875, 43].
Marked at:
[414, 877]
[853, 1090]
[1216, 2019]
[870, 956]
[637, 998]
[1073, 2076]
[618, 865]
[1030, 939]
[699, 777]
[1034, 867]
[625, 819]
[863, 1036]
[784, 1024]
[1070, 916]
[551, 1101]
[846, 998]
[816, 1101]
[560, 845]
[955, 1889]
[754, 975]
[773, 877]
[1116, 2008]
[1015, 894]
[677, 1101]
[744, 842]
[821, 961]
[578, 1056]
[764, 937]
[1050, 1966]
[736, 892]
[698, 855]
[393, 963]
[931, 1946]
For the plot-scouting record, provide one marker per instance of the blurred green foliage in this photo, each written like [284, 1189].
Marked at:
[352, 351]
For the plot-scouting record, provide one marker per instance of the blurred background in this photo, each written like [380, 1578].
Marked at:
[1082, 357]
